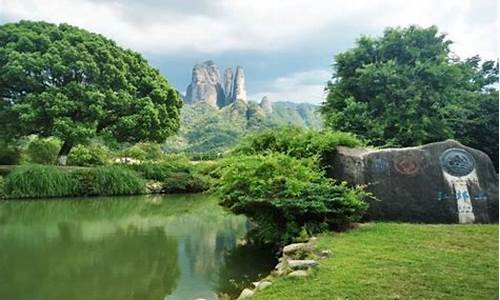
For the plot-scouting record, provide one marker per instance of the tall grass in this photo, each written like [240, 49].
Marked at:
[37, 181]
[109, 180]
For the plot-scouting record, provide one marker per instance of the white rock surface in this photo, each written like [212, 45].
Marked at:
[239, 91]
[298, 273]
[264, 285]
[293, 248]
[245, 294]
[302, 264]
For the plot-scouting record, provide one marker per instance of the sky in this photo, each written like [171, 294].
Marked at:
[286, 47]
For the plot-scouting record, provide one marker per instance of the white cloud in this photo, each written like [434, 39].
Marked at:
[206, 27]
[262, 25]
[305, 86]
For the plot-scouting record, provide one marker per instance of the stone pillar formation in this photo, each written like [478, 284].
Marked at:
[206, 85]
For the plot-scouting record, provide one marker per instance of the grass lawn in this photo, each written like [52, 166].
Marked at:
[401, 261]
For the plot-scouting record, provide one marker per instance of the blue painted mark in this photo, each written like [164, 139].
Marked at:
[443, 196]
[461, 196]
[481, 196]
[380, 165]
[465, 196]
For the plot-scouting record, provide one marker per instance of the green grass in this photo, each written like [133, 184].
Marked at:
[401, 261]
[38, 181]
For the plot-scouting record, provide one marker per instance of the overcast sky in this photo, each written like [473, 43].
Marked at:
[286, 47]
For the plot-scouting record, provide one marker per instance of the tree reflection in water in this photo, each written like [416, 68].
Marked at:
[169, 247]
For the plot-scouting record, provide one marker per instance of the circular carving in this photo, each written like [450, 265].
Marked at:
[457, 162]
[406, 165]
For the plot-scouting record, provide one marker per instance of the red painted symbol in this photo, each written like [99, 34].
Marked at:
[407, 166]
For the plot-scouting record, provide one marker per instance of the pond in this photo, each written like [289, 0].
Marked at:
[141, 247]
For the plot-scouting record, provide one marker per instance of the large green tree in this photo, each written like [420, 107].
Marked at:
[63, 81]
[407, 88]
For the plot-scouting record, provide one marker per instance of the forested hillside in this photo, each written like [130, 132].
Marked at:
[207, 130]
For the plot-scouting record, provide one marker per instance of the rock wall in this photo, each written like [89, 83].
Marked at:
[444, 182]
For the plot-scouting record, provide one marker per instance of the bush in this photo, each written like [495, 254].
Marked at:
[88, 155]
[185, 183]
[178, 175]
[108, 180]
[296, 142]
[37, 181]
[42, 151]
[144, 151]
[9, 154]
[161, 170]
[2, 183]
[284, 195]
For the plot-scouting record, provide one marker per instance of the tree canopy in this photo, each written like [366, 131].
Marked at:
[66, 82]
[407, 88]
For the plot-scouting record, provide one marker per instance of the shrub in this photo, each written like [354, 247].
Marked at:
[283, 195]
[108, 180]
[88, 155]
[185, 183]
[2, 183]
[9, 154]
[42, 151]
[144, 151]
[296, 142]
[178, 175]
[37, 181]
[162, 170]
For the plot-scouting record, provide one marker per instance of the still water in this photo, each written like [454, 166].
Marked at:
[142, 247]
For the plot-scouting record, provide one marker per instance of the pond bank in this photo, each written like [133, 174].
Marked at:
[46, 181]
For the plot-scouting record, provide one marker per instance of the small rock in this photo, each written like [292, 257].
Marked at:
[298, 273]
[264, 284]
[313, 239]
[325, 253]
[302, 264]
[278, 266]
[245, 294]
[293, 248]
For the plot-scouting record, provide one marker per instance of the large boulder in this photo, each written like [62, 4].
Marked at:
[443, 182]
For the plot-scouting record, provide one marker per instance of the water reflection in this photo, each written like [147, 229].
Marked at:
[172, 247]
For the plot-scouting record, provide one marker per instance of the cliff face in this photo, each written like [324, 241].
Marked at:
[206, 85]
[266, 105]
[228, 86]
[239, 92]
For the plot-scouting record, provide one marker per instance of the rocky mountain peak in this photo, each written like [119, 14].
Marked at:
[266, 105]
[239, 91]
[207, 85]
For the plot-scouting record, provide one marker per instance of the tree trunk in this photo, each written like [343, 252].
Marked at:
[63, 153]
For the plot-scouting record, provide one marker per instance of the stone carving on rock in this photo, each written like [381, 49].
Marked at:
[457, 162]
[442, 182]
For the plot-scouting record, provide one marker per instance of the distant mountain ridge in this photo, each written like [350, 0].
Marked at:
[205, 129]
